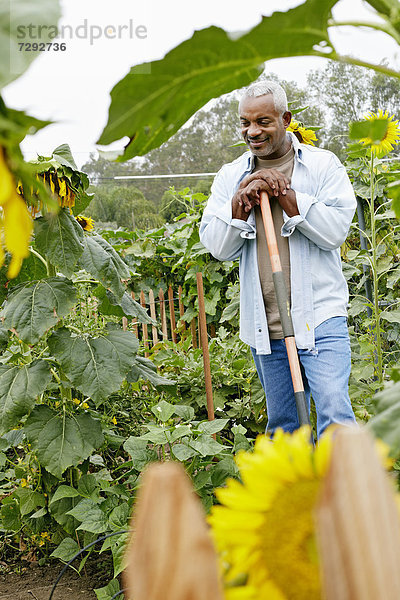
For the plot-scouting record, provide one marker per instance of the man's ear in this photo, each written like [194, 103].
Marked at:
[286, 118]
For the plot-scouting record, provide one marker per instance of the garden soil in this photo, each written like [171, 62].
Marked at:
[35, 583]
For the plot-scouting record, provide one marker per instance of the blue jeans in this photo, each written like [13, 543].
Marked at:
[325, 370]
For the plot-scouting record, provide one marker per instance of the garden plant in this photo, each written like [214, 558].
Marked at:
[82, 410]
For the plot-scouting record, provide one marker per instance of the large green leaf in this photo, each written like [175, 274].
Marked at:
[393, 316]
[143, 368]
[155, 99]
[61, 441]
[101, 260]
[15, 124]
[95, 366]
[32, 269]
[66, 550]
[15, 18]
[140, 454]
[386, 424]
[3, 337]
[125, 307]
[19, 386]
[92, 518]
[36, 306]
[389, 8]
[64, 156]
[375, 130]
[29, 500]
[394, 194]
[60, 238]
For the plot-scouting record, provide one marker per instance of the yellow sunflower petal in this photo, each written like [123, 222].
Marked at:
[391, 137]
[18, 226]
[265, 525]
[7, 183]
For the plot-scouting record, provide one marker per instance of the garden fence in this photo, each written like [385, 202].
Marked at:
[168, 311]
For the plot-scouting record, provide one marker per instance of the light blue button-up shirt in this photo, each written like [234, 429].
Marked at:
[326, 204]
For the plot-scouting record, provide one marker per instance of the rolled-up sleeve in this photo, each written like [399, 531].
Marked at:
[221, 234]
[325, 218]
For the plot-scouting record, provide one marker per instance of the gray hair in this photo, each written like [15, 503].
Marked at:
[262, 88]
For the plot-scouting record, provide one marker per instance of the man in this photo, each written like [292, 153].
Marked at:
[312, 204]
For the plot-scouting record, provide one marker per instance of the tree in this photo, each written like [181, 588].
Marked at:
[125, 206]
[346, 93]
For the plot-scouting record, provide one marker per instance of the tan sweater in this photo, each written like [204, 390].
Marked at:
[285, 165]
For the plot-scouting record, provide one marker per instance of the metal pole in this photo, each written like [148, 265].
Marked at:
[284, 311]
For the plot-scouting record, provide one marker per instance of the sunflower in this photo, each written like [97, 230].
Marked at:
[85, 222]
[389, 140]
[305, 136]
[264, 527]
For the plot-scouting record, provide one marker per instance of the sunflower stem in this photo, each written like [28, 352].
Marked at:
[360, 63]
[375, 282]
[384, 27]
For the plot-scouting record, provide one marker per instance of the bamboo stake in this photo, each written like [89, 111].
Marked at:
[163, 315]
[358, 523]
[124, 323]
[199, 332]
[181, 307]
[193, 333]
[144, 327]
[172, 314]
[134, 320]
[204, 345]
[153, 316]
[284, 310]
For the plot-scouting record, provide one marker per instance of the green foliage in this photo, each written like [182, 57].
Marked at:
[14, 15]
[36, 306]
[60, 441]
[373, 277]
[211, 63]
[20, 386]
[125, 206]
[96, 366]
[375, 130]
[60, 239]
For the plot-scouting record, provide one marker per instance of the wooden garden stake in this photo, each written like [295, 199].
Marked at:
[199, 331]
[134, 321]
[181, 307]
[163, 315]
[193, 333]
[171, 554]
[204, 345]
[358, 525]
[153, 316]
[124, 323]
[145, 332]
[172, 314]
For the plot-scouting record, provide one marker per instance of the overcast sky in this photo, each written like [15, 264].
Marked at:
[72, 87]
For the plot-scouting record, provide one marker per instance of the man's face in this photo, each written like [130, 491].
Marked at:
[263, 128]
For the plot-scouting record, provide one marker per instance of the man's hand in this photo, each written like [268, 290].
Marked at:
[275, 182]
[271, 181]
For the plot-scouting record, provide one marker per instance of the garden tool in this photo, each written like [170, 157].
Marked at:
[284, 310]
